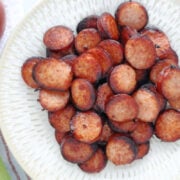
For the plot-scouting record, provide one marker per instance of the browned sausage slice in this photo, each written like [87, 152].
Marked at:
[126, 33]
[60, 119]
[86, 39]
[87, 22]
[175, 103]
[123, 127]
[69, 59]
[142, 76]
[58, 38]
[53, 100]
[159, 66]
[121, 150]
[159, 39]
[114, 48]
[169, 54]
[142, 150]
[87, 66]
[121, 107]
[27, 71]
[60, 135]
[167, 126]
[96, 163]
[83, 94]
[168, 82]
[75, 151]
[105, 134]
[53, 74]
[132, 14]
[142, 133]
[86, 126]
[160, 97]
[123, 79]
[103, 58]
[140, 52]
[103, 93]
[107, 26]
[148, 104]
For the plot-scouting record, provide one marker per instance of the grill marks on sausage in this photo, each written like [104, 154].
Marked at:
[132, 14]
[53, 74]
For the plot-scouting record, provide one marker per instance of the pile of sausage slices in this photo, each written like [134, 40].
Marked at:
[108, 88]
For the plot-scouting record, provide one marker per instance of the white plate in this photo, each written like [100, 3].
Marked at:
[25, 126]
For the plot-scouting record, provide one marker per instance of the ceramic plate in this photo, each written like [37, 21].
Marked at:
[26, 127]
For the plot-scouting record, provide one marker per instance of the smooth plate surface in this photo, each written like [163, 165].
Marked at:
[25, 126]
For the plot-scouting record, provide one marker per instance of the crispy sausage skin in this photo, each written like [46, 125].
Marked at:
[114, 48]
[96, 163]
[86, 39]
[87, 22]
[123, 79]
[58, 38]
[140, 52]
[70, 146]
[121, 150]
[60, 119]
[53, 100]
[53, 74]
[107, 26]
[121, 107]
[167, 126]
[83, 94]
[27, 71]
[86, 126]
[131, 14]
